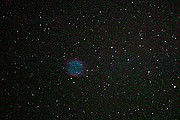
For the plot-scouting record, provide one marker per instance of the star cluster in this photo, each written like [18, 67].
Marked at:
[130, 51]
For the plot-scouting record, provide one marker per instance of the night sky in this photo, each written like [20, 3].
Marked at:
[128, 53]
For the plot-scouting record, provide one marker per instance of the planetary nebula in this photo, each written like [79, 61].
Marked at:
[75, 68]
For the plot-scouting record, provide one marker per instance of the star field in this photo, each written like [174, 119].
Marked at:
[129, 51]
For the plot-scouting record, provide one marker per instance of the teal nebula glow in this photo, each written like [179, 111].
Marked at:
[75, 68]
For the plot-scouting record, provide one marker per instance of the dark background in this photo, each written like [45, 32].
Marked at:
[130, 50]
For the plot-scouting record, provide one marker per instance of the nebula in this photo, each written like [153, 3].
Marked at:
[75, 68]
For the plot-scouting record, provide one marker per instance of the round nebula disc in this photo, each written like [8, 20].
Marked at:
[75, 68]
